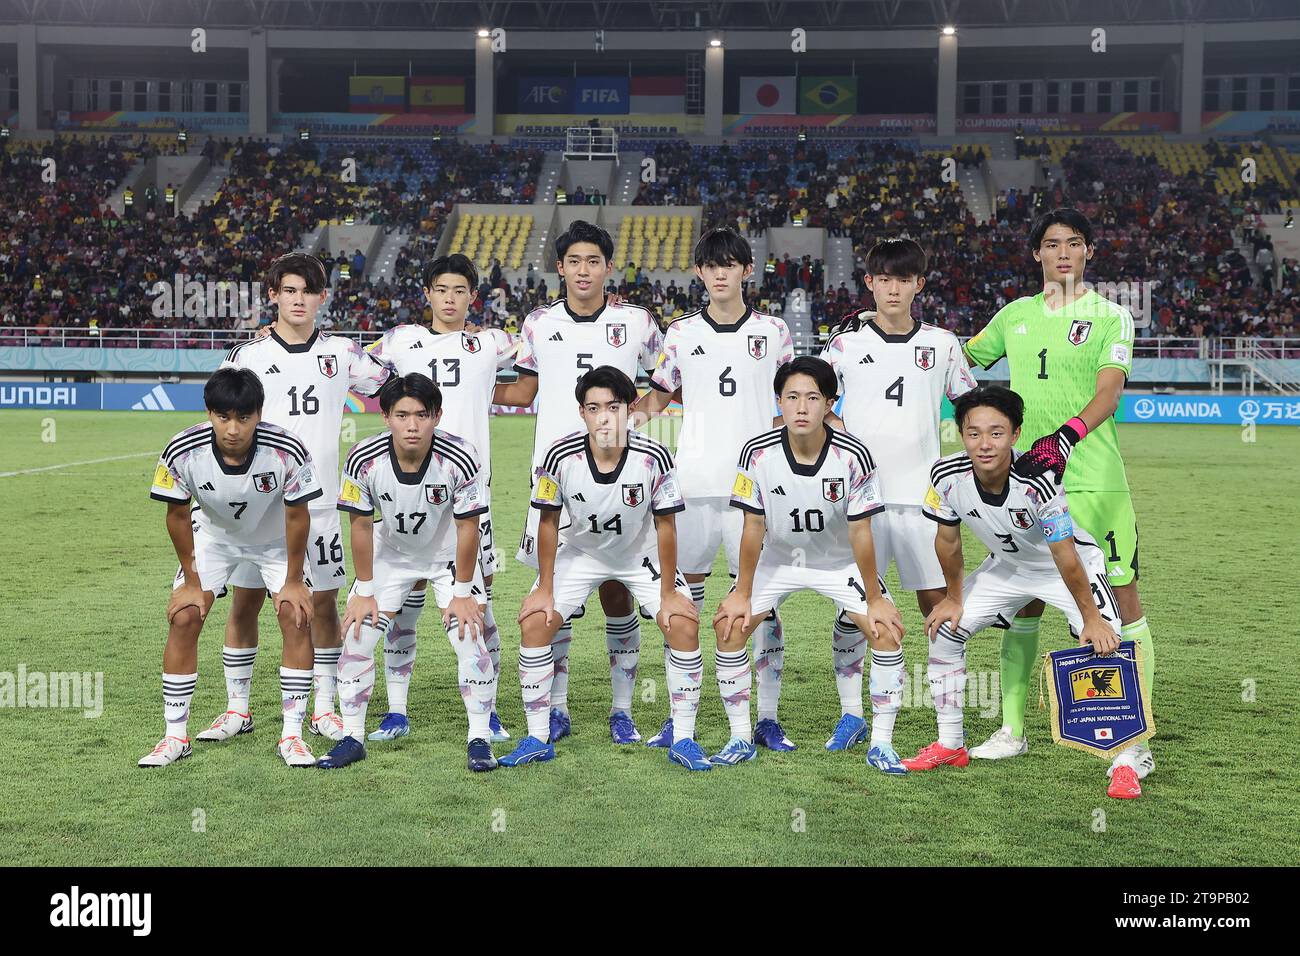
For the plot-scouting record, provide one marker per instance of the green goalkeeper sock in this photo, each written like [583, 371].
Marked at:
[1019, 651]
[1140, 632]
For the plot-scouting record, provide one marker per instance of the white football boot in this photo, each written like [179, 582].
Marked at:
[295, 752]
[169, 750]
[230, 724]
[1000, 746]
[329, 726]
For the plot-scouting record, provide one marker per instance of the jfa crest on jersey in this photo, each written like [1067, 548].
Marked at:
[611, 513]
[463, 366]
[559, 346]
[420, 508]
[307, 389]
[1079, 330]
[265, 482]
[893, 386]
[725, 372]
[807, 508]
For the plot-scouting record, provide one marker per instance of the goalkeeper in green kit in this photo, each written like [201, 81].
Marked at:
[1070, 351]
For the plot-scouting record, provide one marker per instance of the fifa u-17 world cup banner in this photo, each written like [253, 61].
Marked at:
[828, 94]
[1098, 702]
[437, 94]
[376, 94]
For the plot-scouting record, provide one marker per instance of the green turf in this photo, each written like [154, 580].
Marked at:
[90, 578]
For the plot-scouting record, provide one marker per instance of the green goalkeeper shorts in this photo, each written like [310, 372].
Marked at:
[1108, 516]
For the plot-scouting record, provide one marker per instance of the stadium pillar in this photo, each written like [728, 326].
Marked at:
[257, 77]
[945, 108]
[277, 70]
[713, 73]
[484, 89]
[28, 72]
[1192, 82]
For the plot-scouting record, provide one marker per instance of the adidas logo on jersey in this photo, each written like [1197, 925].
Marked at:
[557, 337]
[778, 490]
[866, 360]
[972, 513]
[273, 370]
[386, 497]
[1021, 330]
[207, 486]
[699, 350]
[339, 573]
[579, 497]
[417, 345]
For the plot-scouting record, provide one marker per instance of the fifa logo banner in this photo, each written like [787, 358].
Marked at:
[1098, 702]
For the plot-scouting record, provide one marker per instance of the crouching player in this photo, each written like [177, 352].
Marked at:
[250, 482]
[429, 488]
[1036, 553]
[808, 493]
[620, 490]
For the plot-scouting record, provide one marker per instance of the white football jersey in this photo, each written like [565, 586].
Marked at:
[1016, 526]
[463, 366]
[611, 513]
[807, 508]
[307, 389]
[725, 373]
[893, 387]
[240, 503]
[419, 508]
[560, 347]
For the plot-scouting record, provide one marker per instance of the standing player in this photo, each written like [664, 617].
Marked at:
[1069, 351]
[307, 374]
[464, 367]
[893, 372]
[251, 483]
[1035, 554]
[429, 486]
[620, 492]
[558, 344]
[808, 492]
[720, 363]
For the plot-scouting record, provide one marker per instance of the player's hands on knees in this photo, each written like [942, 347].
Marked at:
[190, 595]
[468, 614]
[947, 612]
[675, 604]
[734, 610]
[359, 610]
[296, 595]
[885, 619]
[1101, 636]
[538, 602]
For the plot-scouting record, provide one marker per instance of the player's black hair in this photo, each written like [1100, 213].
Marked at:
[415, 385]
[723, 246]
[582, 231]
[816, 369]
[311, 269]
[1065, 216]
[994, 396]
[606, 376]
[236, 390]
[454, 264]
[903, 258]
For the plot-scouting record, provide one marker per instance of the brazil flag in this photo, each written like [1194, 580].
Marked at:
[828, 94]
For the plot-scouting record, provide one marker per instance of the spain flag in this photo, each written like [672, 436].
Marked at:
[437, 94]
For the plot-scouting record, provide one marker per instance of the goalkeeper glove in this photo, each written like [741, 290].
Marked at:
[1051, 452]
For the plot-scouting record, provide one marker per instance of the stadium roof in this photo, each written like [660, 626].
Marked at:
[638, 15]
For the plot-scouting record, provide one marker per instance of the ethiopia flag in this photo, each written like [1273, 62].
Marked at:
[828, 94]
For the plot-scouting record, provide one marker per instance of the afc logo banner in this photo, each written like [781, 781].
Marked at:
[436, 494]
[329, 366]
[633, 495]
[1079, 330]
[832, 489]
[265, 482]
[924, 357]
[1021, 518]
[616, 334]
[470, 343]
[758, 346]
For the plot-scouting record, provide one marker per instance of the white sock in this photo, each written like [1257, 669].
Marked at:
[849, 651]
[478, 684]
[324, 677]
[623, 639]
[734, 682]
[947, 675]
[685, 675]
[399, 652]
[295, 688]
[769, 661]
[886, 694]
[356, 675]
[492, 641]
[178, 690]
[238, 663]
[536, 677]
[560, 686]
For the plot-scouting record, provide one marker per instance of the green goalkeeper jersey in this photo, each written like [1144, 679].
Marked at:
[1054, 357]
